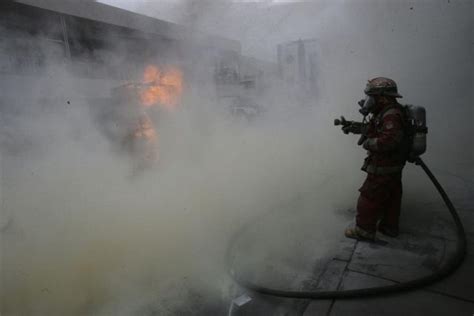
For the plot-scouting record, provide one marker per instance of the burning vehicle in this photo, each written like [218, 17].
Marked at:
[130, 118]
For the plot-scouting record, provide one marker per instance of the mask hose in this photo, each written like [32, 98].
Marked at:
[451, 264]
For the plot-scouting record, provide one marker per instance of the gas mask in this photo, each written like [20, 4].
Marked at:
[367, 105]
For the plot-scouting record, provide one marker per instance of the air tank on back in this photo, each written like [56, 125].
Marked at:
[417, 119]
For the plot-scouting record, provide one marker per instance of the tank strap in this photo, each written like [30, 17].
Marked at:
[390, 110]
[383, 170]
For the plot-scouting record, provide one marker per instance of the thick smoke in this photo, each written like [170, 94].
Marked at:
[426, 46]
[85, 237]
[82, 235]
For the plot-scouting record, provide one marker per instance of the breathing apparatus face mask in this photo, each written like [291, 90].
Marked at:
[367, 106]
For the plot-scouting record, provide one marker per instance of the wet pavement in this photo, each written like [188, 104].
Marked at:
[426, 240]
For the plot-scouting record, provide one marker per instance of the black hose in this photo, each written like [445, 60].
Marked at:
[451, 264]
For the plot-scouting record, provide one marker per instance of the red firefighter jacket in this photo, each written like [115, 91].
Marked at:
[385, 143]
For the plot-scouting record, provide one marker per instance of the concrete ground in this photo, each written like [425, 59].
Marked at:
[426, 240]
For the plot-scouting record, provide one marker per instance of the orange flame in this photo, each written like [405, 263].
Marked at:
[163, 88]
[145, 129]
[147, 132]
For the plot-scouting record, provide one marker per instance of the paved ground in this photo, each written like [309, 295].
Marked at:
[425, 243]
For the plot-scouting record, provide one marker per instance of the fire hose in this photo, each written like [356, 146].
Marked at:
[450, 265]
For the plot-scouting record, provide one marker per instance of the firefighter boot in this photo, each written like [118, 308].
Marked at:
[359, 234]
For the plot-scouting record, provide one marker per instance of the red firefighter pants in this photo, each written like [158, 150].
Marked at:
[380, 198]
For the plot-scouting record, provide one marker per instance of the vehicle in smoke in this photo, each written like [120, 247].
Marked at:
[129, 118]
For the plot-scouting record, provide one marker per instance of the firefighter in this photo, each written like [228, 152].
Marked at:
[378, 206]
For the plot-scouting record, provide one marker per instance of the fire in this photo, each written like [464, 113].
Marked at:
[161, 87]
[145, 131]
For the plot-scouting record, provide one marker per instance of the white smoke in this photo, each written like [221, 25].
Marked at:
[85, 238]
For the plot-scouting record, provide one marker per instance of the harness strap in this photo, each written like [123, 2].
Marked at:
[382, 170]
